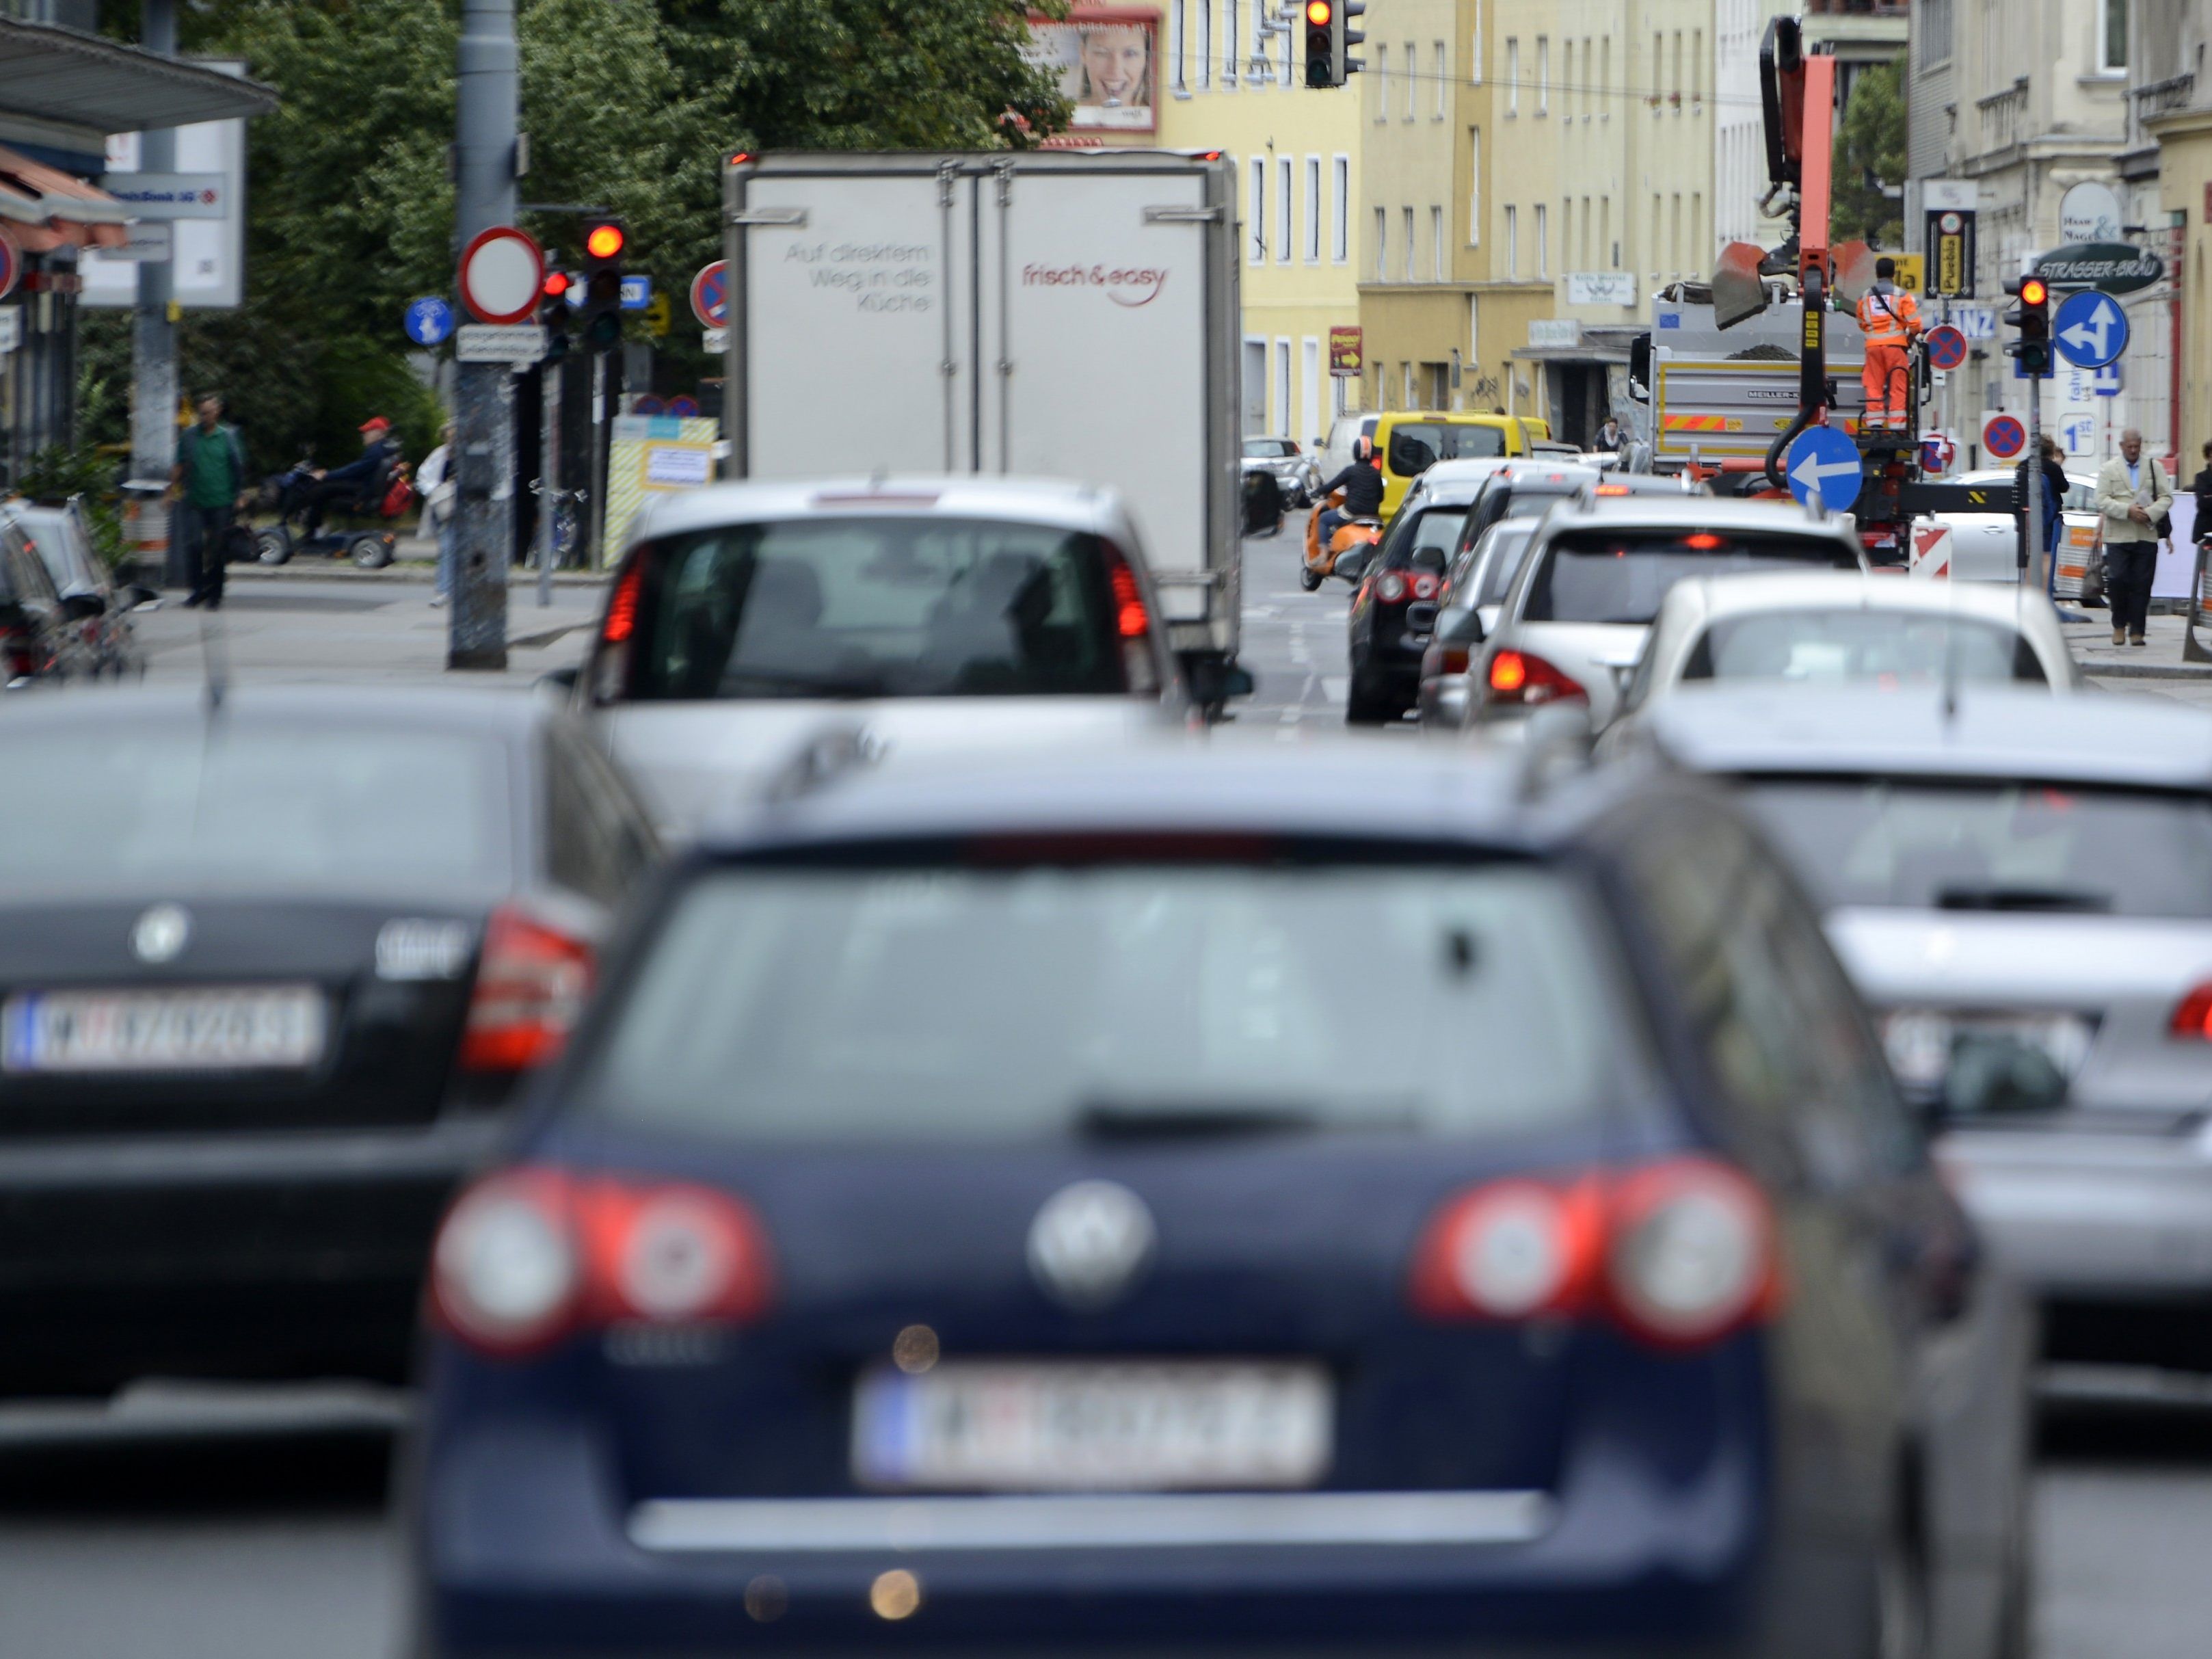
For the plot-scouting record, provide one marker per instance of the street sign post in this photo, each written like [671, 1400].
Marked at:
[429, 321]
[2091, 330]
[1947, 346]
[710, 294]
[502, 271]
[2003, 437]
[1825, 461]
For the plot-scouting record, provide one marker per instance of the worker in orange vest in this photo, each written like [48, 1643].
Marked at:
[1891, 320]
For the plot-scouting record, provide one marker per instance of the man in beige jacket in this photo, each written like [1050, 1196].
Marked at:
[2132, 496]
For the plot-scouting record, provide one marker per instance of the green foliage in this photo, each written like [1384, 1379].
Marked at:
[56, 473]
[1871, 153]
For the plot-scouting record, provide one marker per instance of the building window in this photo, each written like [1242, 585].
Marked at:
[1543, 255]
[1340, 233]
[1405, 374]
[1677, 85]
[1178, 42]
[1473, 329]
[1512, 243]
[1408, 213]
[1413, 80]
[1228, 42]
[1444, 81]
[1310, 385]
[1313, 210]
[2114, 41]
[1474, 186]
[1657, 94]
[1382, 83]
[1582, 248]
[1436, 240]
[1605, 230]
[1567, 77]
[1674, 235]
[1512, 75]
[1658, 221]
[1605, 79]
[1699, 244]
[1590, 63]
[1474, 49]
[1283, 220]
[1543, 75]
[1204, 44]
[1283, 387]
[1697, 68]
[1933, 32]
[1259, 210]
[1381, 245]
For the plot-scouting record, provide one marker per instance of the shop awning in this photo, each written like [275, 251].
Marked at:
[55, 73]
[45, 208]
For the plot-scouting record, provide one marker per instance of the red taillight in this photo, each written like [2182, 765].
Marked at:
[1523, 677]
[526, 1257]
[1611, 489]
[2193, 1018]
[1678, 1253]
[622, 606]
[1704, 541]
[1424, 587]
[1131, 620]
[530, 983]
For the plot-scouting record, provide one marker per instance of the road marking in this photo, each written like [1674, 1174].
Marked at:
[1335, 687]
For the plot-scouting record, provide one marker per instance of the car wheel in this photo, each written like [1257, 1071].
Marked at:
[272, 546]
[1365, 703]
[372, 552]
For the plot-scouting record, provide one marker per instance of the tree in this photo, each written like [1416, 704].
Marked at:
[1871, 155]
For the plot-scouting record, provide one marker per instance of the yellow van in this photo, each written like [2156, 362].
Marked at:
[1410, 442]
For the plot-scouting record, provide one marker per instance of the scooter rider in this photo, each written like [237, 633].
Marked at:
[1361, 484]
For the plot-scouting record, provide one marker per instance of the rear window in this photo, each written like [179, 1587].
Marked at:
[1889, 647]
[1981, 847]
[1269, 448]
[1423, 539]
[330, 810]
[1416, 446]
[1118, 1000]
[1508, 545]
[1620, 576]
[879, 605]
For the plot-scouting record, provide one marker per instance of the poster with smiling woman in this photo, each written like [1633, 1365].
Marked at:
[1104, 57]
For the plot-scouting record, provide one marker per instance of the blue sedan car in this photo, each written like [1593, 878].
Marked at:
[1224, 1199]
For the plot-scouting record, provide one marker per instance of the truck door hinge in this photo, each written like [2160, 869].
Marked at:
[1003, 171]
[1182, 216]
[769, 216]
[946, 173]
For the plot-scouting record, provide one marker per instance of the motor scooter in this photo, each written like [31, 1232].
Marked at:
[1321, 562]
[286, 494]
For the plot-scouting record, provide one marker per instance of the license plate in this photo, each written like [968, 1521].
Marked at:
[202, 1029]
[1920, 1041]
[1116, 1426]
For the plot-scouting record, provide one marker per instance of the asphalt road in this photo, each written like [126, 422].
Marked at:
[168, 1529]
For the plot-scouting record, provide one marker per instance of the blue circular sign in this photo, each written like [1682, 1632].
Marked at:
[429, 321]
[2090, 329]
[1826, 460]
[1947, 346]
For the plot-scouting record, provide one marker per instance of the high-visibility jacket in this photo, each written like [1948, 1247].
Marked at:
[1888, 318]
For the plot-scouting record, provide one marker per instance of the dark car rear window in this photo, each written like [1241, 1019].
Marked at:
[944, 1004]
[1620, 576]
[333, 809]
[1970, 846]
[871, 606]
[1416, 446]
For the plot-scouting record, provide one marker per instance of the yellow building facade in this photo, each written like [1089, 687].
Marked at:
[1232, 80]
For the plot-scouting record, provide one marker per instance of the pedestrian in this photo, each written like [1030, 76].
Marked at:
[2201, 486]
[2132, 496]
[2054, 507]
[1890, 318]
[434, 478]
[207, 485]
[1608, 436]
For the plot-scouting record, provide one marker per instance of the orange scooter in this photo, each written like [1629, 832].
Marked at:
[1320, 563]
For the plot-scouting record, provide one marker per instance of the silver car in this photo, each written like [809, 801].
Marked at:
[2022, 886]
[1297, 474]
[1475, 593]
[1573, 626]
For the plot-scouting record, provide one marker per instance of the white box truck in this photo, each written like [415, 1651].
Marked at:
[1049, 314]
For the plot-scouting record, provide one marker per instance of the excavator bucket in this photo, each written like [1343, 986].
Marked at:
[1854, 270]
[1738, 292]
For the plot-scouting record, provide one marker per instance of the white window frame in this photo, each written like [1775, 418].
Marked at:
[1512, 77]
[1605, 79]
[1280, 406]
[1443, 83]
[1567, 77]
[1543, 243]
[1205, 45]
[1313, 210]
[1405, 217]
[1474, 49]
[1310, 378]
[1341, 206]
[1474, 186]
[1229, 43]
[1543, 75]
[1382, 81]
[1512, 242]
[1179, 42]
[1381, 245]
[2105, 64]
[1284, 208]
[1436, 242]
[1412, 79]
[1258, 171]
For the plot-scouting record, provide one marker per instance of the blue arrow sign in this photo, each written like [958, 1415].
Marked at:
[2107, 384]
[636, 293]
[1824, 459]
[427, 320]
[2091, 330]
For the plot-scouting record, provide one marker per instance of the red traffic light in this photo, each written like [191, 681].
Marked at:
[2033, 292]
[556, 284]
[604, 241]
[1318, 12]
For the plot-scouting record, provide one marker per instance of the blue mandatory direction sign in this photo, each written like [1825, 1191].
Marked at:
[636, 293]
[429, 321]
[1824, 459]
[2091, 330]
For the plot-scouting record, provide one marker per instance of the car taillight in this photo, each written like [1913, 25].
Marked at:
[1133, 623]
[1390, 588]
[621, 624]
[530, 983]
[2193, 1017]
[1523, 677]
[1677, 1253]
[1450, 659]
[529, 1256]
[1424, 587]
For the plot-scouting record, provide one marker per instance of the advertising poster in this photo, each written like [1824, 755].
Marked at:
[1107, 60]
[651, 454]
[1343, 351]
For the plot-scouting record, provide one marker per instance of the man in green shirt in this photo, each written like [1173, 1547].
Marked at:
[206, 485]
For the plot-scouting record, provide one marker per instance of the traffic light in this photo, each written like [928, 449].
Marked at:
[604, 241]
[1328, 40]
[2031, 315]
[553, 314]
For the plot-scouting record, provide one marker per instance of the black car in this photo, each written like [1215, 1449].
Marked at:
[41, 634]
[270, 965]
[1527, 488]
[1366, 1202]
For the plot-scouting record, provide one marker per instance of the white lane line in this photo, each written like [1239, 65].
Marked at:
[1336, 687]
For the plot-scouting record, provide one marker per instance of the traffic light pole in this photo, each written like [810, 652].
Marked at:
[2032, 525]
[549, 476]
[483, 416]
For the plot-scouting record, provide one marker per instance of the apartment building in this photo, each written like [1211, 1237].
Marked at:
[2167, 165]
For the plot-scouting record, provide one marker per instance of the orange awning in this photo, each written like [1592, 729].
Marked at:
[45, 208]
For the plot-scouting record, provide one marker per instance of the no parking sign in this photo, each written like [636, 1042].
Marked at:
[2004, 436]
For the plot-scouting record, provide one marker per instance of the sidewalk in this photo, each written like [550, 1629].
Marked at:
[418, 563]
[2091, 642]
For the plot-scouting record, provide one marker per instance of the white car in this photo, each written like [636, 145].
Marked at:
[1985, 546]
[1830, 629]
[920, 614]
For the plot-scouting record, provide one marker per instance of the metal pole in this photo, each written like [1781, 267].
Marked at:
[153, 336]
[2031, 532]
[483, 415]
[549, 481]
[598, 504]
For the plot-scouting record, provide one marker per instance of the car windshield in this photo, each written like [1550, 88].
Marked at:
[1416, 446]
[878, 605]
[2011, 846]
[1620, 576]
[1509, 543]
[957, 1004]
[1890, 648]
[1269, 448]
[332, 808]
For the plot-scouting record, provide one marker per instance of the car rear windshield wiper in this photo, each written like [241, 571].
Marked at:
[1110, 1121]
[1995, 898]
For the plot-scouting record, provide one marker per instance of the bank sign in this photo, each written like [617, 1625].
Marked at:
[2115, 267]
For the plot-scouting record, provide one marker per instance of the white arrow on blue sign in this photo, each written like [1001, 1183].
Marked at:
[2091, 329]
[636, 293]
[428, 320]
[1824, 459]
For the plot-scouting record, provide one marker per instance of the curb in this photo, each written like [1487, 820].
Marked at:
[404, 570]
[2144, 671]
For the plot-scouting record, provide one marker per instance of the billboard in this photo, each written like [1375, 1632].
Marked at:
[203, 204]
[1346, 352]
[1107, 60]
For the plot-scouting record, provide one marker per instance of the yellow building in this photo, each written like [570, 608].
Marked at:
[1233, 80]
[2184, 184]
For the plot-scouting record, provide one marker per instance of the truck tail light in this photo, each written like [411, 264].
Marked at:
[1522, 678]
[530, 984]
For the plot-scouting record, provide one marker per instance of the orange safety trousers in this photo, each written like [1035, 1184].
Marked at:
[1888, 390]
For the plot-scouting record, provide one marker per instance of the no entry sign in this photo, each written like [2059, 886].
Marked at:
[2004, 436]
[500, 273]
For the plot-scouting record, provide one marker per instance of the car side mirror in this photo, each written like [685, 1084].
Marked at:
[82, 607]
[1352, 563]
[1458, 627]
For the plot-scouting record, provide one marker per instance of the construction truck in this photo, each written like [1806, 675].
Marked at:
[1735, 370]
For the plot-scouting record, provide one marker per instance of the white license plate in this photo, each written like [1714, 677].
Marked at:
[196, 1030]
[1920, 1039]
[1010, 1425]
